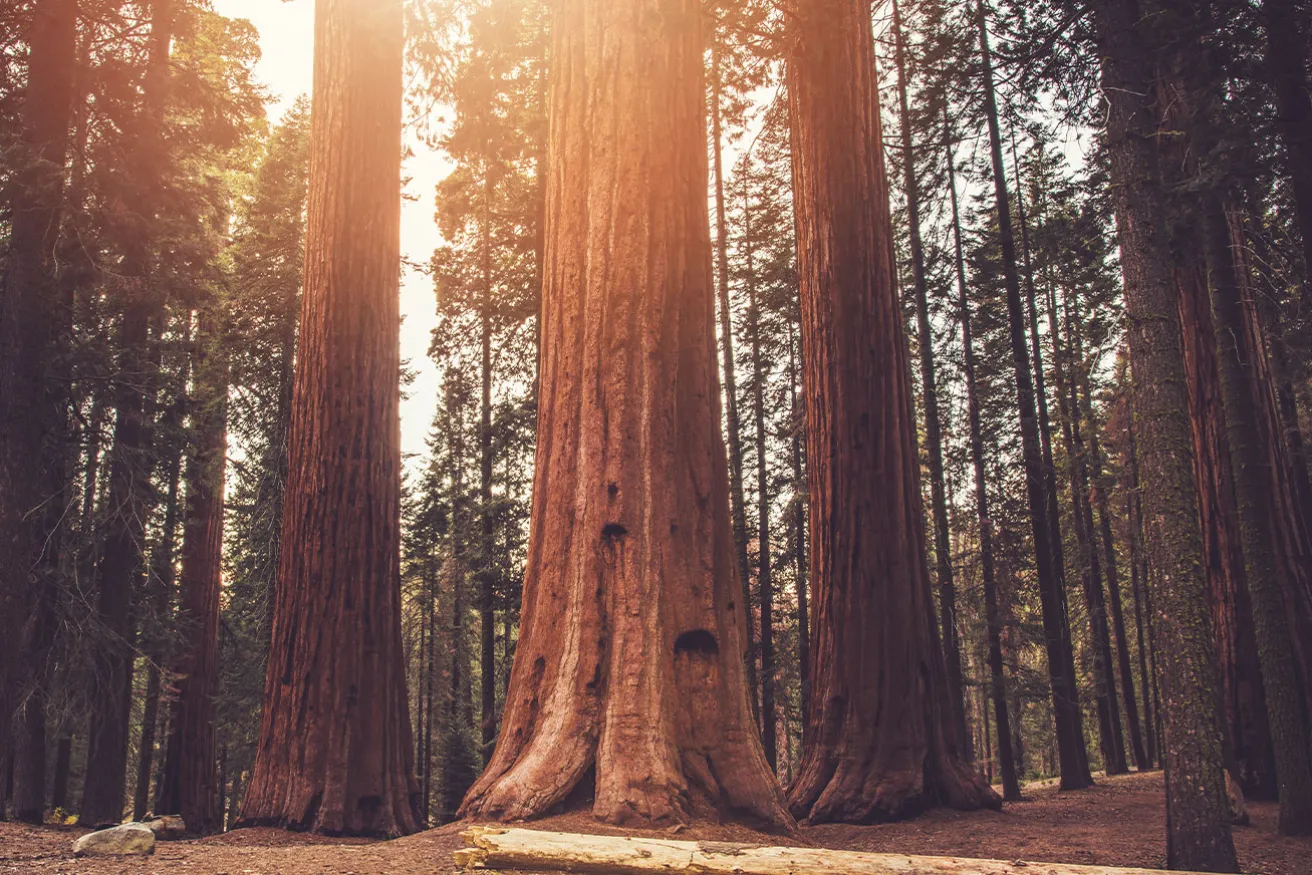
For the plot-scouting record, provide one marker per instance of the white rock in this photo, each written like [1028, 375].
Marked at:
[130, 838]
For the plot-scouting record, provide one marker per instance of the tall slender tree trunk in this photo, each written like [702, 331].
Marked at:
[1138, 582]
[1052, 501]
[1262, 494]
[121, 557]
[159, 591]
[190, 785]
[992, 619]
[1098, 495]
[1068, 364]
[335, 753]
[1198, 822]
[486, 567]
[628, 686]
[882, 740]
[33, 402]
[736, 501]
[929, 400]
[764, 577]
[1047, 542]
[797, 421]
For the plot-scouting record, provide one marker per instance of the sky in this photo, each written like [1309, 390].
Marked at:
[286, 70]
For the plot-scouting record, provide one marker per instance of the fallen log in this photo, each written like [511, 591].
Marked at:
[525, 849]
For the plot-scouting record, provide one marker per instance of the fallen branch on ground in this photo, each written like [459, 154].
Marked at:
[526, 849]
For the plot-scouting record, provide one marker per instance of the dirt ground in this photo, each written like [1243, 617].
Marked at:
[1118, 823]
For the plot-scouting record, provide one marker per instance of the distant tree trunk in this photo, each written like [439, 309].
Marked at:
[1198, 821]
[1052, 501]
[190, 785]
[1286, 71]
[736, 501]
[159, 591]
[121, 557]
[797, 421]
[1109, 718]
[1138, 581]
[1262, 493]
[1098, 494]
[33, 401]
[486, 567]
[997, 680]
[882, 739]
[63, 763]
[929, 399]
[628, 685]
[1047, 540]
[335, 753]
[764, 582]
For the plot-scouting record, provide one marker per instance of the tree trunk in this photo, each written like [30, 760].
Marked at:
[997, 680]
[929, 399]
[159, 591]
[1052, 501]
[1098, 494]
[486, 567]
[33, 401]
[1047, 540]
[1262, 493]
[628, 685]
[1109, 717]
[736, 501]
[882, 739]
[797, 421]
[63, 763]
[129, 475]
[764, 582]
[190, 785]
[335, 753]
[1138, 581]
[1198, 821]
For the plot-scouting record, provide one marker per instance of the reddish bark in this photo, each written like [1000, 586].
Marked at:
[1243, 701]
[335, 752]
[882, 742]
[190, 785]
[628, 686]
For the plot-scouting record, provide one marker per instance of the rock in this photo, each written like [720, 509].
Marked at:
[130, 838]
[168, 827]
[1235, 796]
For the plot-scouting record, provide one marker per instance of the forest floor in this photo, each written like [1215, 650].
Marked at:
[1120, 822]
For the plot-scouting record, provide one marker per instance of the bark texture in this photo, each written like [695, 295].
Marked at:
[882, 742]
[1198, 822]
[628, 684]
[335, 752]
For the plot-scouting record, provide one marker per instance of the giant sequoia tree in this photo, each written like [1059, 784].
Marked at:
[628, 686]
[881, 739]
[335, 752]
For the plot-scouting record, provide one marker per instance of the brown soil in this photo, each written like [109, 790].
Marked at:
[1120, 822]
